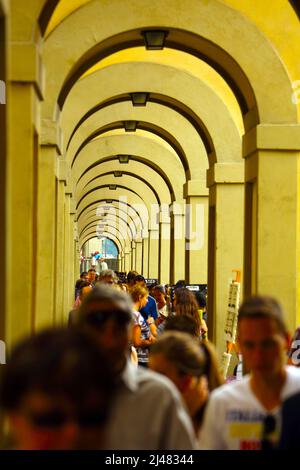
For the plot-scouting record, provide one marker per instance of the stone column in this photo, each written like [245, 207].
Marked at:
[271, 264]
[139, 254]
[133, 255]
[226, 233]
[67, 295]
[127, 253]
[196, 194]
[145, 268]
[46, 210]
[24, 92]
[164, 247]
[153, 253]
[177, 264]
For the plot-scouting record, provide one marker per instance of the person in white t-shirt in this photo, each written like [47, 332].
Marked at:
[103, 265]
[245, 415]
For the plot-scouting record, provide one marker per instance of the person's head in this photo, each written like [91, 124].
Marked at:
[159, 294]
[180, 284]
[84, 289]
[201, 299]
[56, 391]
[184, 323]
[84, 275]
[262, 335]
[177, 356]
[139, 295]
[139, 280]
[185, 304]
[91, 275]
[188, 325]
[108, 277]
[130, 277]
[107, 313]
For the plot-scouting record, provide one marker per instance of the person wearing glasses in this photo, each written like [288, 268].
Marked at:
[245, 414]
[56, 391]
[147, 410]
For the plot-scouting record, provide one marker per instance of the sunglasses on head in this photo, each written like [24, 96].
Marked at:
[269, 427]
[98, 318]
[58, 418]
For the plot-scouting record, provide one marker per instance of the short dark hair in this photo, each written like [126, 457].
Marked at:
[179, 284]
[139, 278]
[58, 361]
[131, 275]
[201, 299]
[92, 270]
[263, 307]
[84, 273]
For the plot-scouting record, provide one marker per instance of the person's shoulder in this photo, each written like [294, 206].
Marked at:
[149, 380]
[293, 372]
[151, 299]
[229, 391]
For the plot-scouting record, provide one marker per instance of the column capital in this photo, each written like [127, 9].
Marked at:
[195, 188]
[72, 206]
[63, 171]
[178, 208]
[271, 137]
[26, 65]
[222, 173]
[51, 135]
[164, 218]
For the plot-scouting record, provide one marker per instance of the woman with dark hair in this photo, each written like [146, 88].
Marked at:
[185, 304]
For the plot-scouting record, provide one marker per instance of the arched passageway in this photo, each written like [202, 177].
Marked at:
[199, 179]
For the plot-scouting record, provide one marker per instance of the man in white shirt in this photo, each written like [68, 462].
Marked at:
[103, 265]
[147, 412]
[245, 415]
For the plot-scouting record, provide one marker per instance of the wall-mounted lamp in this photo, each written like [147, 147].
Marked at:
[154, 39]
[130, 126]
[118, 174]
[139, 99]
[112, 187]
[123, 158]
[108, 201]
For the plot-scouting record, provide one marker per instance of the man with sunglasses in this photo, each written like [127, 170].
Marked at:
[245, 415]
[56, 391]
[147, 411]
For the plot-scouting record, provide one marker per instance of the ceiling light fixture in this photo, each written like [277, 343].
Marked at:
[123, 158]
[154, 39]
[139, 99]
[130, 126]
